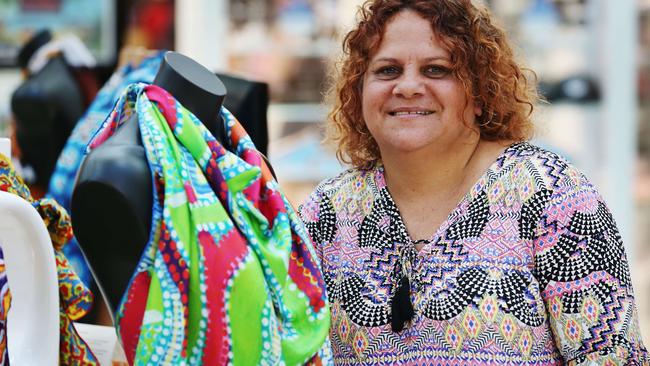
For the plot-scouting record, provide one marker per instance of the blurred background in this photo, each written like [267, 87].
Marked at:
[592, 59]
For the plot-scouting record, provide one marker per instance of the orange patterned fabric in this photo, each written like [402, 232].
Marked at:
[75, 299]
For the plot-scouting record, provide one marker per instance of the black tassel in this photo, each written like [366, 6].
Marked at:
[401, 307]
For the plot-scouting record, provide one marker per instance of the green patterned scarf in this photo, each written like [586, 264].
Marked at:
[229, 274]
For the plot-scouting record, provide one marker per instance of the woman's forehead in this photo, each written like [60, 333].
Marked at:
[408, 32]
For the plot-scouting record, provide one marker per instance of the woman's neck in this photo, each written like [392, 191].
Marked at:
[430, 174]
[442, 175]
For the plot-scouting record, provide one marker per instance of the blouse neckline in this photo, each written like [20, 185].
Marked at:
[390, 205]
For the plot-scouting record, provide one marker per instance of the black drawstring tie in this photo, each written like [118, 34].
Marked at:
[401, 307]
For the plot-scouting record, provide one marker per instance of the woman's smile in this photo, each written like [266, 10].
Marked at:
[410, 112]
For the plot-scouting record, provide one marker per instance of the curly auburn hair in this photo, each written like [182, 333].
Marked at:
[481, 57]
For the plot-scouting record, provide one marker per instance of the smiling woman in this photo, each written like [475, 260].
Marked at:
[451, 239]
[410, 97]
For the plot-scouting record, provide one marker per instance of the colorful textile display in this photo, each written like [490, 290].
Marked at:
[229, 275]
[62, 180]
[528, 269]
[74, 298]
[5, 304]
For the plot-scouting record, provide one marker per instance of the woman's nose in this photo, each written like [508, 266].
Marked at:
[409, 86]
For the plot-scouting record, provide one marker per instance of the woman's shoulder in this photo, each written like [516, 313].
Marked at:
[545, 168]
[529, 151]
[349, 184]
[345, 181]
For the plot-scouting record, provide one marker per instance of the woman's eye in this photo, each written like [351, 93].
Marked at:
[387, 71]
[436, 71]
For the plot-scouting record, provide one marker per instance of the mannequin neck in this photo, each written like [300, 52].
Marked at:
[196, 88]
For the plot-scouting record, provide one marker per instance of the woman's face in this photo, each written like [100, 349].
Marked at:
[410, 98]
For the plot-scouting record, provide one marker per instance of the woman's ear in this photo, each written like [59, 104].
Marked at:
[478, 108]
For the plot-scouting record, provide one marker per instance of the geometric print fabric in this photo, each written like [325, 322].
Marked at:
[529, 268]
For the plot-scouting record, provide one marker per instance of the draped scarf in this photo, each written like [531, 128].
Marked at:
[228, 275]
[75, 299]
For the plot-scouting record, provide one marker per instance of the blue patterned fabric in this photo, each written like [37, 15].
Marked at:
[62, 181]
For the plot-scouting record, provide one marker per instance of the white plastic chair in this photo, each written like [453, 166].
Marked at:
[33, 318]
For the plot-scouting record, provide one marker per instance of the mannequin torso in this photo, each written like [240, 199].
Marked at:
[112, 201]
[46, 107]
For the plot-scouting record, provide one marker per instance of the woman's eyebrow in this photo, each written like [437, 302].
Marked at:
[428, 59]
[437, 58]
[385, 59]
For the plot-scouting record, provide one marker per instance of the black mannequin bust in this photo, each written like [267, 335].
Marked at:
[46, 107]
[112, 200]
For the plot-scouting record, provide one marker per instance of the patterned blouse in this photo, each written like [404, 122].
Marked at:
[528, 269]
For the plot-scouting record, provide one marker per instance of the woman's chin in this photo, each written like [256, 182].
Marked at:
[409, 147]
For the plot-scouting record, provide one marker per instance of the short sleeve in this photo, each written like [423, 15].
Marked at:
[584, 277]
